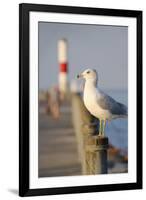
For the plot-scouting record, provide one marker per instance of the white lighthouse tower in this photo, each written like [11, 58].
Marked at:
[63, 67]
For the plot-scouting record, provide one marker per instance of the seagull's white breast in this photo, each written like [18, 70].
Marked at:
[90, 100]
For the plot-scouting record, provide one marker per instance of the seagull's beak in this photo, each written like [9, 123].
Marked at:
[80, 76]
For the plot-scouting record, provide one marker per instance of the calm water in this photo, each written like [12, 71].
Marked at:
[117, 130]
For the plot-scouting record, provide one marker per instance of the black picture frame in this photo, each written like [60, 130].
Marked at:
[24, 10]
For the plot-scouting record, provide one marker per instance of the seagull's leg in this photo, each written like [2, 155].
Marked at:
[100, 122]
[99, 126]
[104, 124]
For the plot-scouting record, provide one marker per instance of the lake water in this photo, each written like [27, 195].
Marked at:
[117, 130]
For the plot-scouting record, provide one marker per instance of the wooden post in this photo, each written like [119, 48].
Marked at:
[92, 148]
[81, 118]
[89, 132]
[101, 152]
[97, 147]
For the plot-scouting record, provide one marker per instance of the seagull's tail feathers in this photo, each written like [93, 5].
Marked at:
[124, 110]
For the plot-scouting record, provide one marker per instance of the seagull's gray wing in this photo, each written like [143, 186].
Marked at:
[114, 107]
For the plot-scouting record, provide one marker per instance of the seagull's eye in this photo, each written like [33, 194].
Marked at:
[88, 72]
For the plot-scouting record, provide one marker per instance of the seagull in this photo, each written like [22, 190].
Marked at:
[99, 104]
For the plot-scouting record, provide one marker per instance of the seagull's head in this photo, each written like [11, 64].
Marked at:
[88, 74]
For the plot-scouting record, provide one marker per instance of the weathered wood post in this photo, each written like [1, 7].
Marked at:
[92, 148]
[81, 118]
[97, 147]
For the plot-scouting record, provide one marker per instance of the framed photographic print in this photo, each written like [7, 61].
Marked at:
[80, 99]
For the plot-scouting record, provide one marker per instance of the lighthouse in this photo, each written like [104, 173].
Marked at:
[63, 67]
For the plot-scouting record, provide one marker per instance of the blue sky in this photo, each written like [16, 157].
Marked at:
[104, 48]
